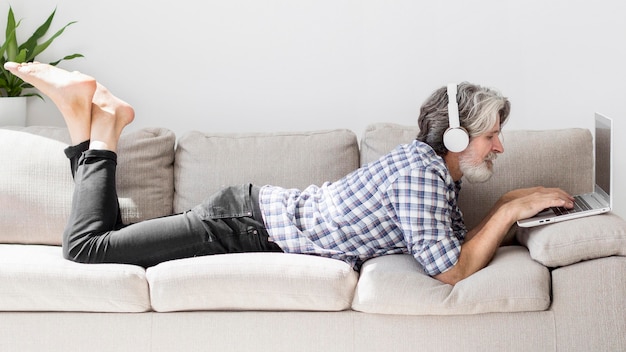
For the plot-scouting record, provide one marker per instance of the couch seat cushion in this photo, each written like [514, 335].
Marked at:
[38, 278]
[252, 281]
[396, 284]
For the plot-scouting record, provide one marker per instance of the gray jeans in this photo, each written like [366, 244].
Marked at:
[227, 222]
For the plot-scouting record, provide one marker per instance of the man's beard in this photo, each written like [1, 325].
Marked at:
[477, 173]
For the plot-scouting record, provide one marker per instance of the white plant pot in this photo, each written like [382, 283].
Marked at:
[13, 111]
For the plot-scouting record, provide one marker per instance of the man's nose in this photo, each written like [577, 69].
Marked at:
[498, 147]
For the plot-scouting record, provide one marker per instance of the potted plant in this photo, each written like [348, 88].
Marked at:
[13, 90]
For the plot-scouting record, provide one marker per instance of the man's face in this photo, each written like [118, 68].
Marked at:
[476, 162]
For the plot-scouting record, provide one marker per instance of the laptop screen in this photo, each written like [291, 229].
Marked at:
[603, 153]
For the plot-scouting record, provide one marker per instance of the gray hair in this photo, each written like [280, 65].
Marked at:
[479, 110]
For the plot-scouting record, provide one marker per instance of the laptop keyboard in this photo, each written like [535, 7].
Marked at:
[579, 205]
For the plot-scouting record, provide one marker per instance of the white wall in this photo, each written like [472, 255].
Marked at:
[252, 65]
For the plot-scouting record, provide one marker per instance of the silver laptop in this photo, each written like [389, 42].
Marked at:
[600, 201]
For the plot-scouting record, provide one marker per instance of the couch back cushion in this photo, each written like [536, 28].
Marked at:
[205, 162]
[551, 158]
[36, 184]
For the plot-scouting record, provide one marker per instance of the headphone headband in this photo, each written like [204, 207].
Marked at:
[453, 107]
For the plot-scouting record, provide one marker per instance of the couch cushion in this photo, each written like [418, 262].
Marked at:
[380, 138]
[252, 281]
[396, 284]
[37, 278]
[206, 162]
[565, 161]
[35, 179]
[568, 242]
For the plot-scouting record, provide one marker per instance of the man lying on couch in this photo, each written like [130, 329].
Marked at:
[406, 202]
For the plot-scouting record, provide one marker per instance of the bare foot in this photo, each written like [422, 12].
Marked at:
[71, 92]
[109, 116]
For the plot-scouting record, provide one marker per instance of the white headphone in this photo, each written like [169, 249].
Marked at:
[455, 139]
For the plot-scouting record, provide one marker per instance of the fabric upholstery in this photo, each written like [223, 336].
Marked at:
[258, 281]
[72, 331]
[206, 162]
[38, 278]
[397, 285]
[35, 179]
[588, 305]
[145, 174]
[572, 241]
[261, 331]
[497, 332]
[380, 138]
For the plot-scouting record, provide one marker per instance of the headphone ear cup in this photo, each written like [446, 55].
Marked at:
[456, 139]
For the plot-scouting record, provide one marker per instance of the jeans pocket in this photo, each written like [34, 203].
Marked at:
[230, 202]
[243, 235]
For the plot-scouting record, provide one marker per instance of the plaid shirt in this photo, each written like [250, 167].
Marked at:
[406, 202]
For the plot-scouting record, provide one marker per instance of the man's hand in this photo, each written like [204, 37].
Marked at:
[526, 202]
[482, 242]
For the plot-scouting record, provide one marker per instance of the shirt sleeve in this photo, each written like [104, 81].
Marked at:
[426, 209]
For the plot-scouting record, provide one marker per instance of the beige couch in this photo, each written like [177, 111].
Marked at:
[560, 287]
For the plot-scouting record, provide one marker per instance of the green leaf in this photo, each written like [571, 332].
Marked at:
[31, 43]
[69, 57]
[11, 39]
[5, 78]
[21, 56]
[10, 35]
[33, 95]
[3, 48]
[43, 46]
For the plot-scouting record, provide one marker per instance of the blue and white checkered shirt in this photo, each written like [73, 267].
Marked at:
[406, 202]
